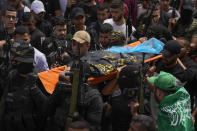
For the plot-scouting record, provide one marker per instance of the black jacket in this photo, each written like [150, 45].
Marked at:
[89, 107]
[24, 107]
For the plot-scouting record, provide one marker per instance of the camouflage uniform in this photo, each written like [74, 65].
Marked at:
[117, 38]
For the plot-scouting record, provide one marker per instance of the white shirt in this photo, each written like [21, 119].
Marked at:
[63, 5]
[40, 62]
[177, 14]
[121, 28]
[140, 11]
[26, 9]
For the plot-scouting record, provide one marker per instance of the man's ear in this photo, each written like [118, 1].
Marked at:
[16, 20]
[88, 45]
[178, 55]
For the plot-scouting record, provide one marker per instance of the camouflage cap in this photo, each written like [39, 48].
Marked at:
[118, 38]
[24, 52]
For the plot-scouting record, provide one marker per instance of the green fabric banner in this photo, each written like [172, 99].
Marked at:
[175, 112]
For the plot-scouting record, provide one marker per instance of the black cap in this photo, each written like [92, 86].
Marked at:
[171, 48]
[77, 12]
[24, 52]
[21, 30]
[128, 77]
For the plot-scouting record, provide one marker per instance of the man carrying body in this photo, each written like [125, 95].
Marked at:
[89, 102]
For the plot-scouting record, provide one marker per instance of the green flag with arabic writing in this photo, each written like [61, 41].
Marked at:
[175, 112]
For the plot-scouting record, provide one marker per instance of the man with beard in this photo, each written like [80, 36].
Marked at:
[171, 63]
[102, 14]
[38, 11]
[189, 64]
[89, 105]
[56, 45]
[118, 21]
[186, 25]
[174, 103]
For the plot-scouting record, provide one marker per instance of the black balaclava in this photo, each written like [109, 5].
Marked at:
[186, 16]
[25, 68]
[129, 77]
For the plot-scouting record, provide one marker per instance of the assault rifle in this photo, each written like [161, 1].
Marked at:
[79, 79]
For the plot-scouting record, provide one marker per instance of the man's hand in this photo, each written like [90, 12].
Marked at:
[172, 21]
[108, 109]
[151, 71]
[194, 114]
[193, 119]
[134, 105]
[143, 39]
[55, 65]
[1, 46]
[119, 69]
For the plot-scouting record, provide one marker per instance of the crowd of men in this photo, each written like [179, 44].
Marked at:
[40, 35]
